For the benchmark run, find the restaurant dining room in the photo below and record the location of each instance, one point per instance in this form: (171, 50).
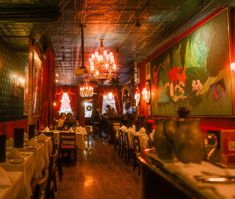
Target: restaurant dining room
(107, 99)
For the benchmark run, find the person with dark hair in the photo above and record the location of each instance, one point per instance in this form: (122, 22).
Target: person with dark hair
(61, 120)
(70, 120)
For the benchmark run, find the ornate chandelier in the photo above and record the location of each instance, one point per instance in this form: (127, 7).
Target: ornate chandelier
(102, 65)
(86, 90)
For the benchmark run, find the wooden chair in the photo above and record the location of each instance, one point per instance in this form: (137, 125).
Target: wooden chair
(116, 127)
(39, 186)
(120, 143)
(52, 185)
(137, 151)
(127, 150)
(68, 147)
(51, 135)
(57, 152)
(88, 136)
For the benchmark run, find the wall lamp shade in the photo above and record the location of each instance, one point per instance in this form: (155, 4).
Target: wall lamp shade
(146, 95)
(232, 66)
(137, 97)
(146, 92)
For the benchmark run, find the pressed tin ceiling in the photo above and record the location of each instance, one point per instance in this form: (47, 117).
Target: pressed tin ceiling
(130, 28)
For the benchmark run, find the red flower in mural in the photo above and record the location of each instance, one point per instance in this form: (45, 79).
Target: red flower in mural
(182, 76)
(172, 75)
(175, 75)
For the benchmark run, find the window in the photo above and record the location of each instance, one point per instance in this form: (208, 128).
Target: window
(65, 104)
(108, 100)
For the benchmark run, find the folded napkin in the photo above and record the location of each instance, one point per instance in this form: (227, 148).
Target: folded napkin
(31, 142)
(70, 129)
(42, 136)
(131, 130)
(4, 178)
(47, 129)
(123, 128)
(14, 154)
(10, 142)
(142, 130)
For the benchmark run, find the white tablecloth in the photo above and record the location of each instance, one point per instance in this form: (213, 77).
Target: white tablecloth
(143, 137)
(17, 189)
(35, 160)
(80, 137)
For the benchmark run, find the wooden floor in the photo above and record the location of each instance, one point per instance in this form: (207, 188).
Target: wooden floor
(99, 174)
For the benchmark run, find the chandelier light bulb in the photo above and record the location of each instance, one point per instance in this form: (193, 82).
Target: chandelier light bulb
(102, 64)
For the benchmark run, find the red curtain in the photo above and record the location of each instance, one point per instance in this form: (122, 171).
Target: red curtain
(48, 88)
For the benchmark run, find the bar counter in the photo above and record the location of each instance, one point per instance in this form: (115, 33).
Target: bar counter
(176, 180)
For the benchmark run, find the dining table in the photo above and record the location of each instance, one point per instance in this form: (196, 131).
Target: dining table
(80, 137)
(17, 189)
(34, 159)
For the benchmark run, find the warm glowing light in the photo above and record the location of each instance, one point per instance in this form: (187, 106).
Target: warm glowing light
(146, 95)
(86, 90)
(110, 96)
(89, 181)
(102, 64)
(54, 103)
(17, 80)
(137, 97)
(232, 66)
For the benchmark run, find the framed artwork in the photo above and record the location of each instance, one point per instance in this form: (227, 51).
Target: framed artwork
(148, 71)
(195, 72)
(36, 84)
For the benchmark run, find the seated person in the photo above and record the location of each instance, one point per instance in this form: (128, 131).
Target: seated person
(70, 120)
(61, 121)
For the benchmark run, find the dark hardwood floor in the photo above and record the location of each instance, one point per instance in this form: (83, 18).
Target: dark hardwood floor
(99, 174)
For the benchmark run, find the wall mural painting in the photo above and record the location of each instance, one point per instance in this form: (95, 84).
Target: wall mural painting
(37, 84)
(195, 73)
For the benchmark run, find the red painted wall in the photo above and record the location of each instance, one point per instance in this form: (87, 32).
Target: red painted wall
(7, 128)
(206, 123)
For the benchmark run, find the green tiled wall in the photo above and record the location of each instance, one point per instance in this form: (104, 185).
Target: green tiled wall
(11, 107)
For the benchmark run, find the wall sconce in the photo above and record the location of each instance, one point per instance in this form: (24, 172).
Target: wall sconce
(232, 66)
(17, 84)
(146, 92)
(137, 96)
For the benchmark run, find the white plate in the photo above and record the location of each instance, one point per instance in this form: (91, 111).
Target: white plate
(16, 161)
(32, 147)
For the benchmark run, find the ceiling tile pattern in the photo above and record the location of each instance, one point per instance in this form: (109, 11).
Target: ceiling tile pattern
(130, 28)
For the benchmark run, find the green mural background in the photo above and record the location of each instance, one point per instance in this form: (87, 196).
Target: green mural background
(195, 72)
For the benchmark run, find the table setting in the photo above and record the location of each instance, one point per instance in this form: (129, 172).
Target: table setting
(29, 157)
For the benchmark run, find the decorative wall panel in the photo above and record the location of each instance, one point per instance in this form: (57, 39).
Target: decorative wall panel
(12, 67)
(195, 72)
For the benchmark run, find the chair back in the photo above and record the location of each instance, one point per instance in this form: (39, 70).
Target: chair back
(50, 134)
(88, 129)
(67, 139)
(136, 144)
(40, 190)
(120, 137)
(126, 140)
